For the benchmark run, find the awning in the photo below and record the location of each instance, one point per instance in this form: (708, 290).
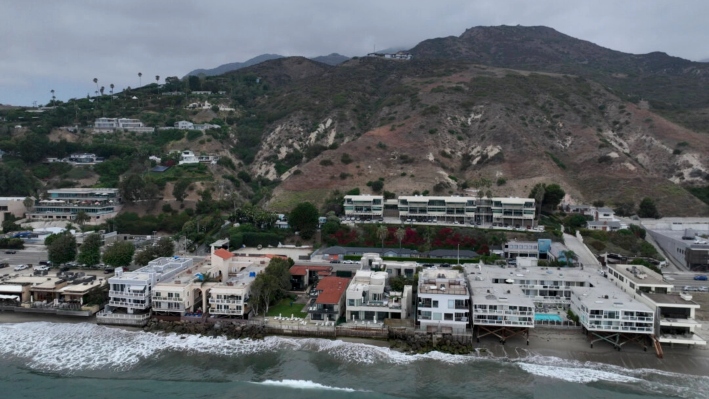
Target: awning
(4, 288)
(137, 288)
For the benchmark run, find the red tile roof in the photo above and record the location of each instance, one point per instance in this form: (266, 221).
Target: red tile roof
(300, 270)
(223, 253)
(332, 289)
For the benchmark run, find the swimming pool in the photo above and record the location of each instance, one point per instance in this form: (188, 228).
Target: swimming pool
(547, 317)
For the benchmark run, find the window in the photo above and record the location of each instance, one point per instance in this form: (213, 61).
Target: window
(350, 302)
(436, 316)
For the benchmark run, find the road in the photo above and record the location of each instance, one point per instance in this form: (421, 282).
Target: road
(585, 256)
(682, 279)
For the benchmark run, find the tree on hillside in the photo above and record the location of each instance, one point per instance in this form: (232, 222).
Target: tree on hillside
(179, 190)
(304, 219)
(135, 188)
(647, 209)
(625, 208)
(62, 248)
(551, 196)
(119, 254)
(96, 83)
(90, 250)
(163, 248)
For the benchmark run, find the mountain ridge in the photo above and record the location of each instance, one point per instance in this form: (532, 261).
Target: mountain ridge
(330, 59)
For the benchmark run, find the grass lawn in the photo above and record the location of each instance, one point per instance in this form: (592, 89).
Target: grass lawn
(284, 308)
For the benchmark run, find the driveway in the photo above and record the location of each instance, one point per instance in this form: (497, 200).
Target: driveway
(585, 256)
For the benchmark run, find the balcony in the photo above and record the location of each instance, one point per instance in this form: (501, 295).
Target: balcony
(129, 305)
(226, 301)
(167, 299)
(675, 322)
(129, 294)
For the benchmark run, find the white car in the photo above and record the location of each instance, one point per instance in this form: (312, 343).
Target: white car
(41, 268)
(21, 267)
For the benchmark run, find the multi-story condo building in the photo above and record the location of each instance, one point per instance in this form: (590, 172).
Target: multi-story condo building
(364, 206)
(500, 310)
(502, 211)
(66, 203)
(14, 206)
(230, 297)
(178, 296)
(443, 301)
(130, 293)
(674, 311)
(368, 298)
(610, 315)
(107, 125)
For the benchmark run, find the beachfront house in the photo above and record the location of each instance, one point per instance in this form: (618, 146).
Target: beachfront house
(369, 298)
(327, 300)
(443, 301)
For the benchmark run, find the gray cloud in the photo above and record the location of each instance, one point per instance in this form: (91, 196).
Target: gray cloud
(64, 45)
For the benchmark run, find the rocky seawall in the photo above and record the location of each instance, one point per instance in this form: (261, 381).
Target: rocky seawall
(411, 342)
(229, 330)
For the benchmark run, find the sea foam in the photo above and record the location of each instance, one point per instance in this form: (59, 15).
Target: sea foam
(304, 384)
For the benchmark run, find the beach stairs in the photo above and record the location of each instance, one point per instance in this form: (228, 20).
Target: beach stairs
(658, 346)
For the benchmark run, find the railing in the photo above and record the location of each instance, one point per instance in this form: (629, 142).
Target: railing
(501, 312)
(129, 305)
(619, 328)
(225, 311)
(129, 294)
(124, 316)
(502, 322)
(226, 301)
(167, 299)
(637, 318)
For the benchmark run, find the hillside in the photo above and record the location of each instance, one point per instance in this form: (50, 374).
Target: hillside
(496, 109)
(672, 85)
(330, 59)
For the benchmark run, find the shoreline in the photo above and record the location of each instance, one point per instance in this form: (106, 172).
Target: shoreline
(570, 345)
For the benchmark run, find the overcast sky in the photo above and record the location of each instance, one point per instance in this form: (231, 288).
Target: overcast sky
(64, 45)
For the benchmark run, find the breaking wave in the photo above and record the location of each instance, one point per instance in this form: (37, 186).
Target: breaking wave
(303, 384)
(68, 348)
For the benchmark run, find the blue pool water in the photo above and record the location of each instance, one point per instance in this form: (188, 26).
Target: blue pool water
(547, 317)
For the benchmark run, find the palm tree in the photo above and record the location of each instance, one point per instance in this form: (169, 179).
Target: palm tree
(140, 79)
(96, 82)
(400, 234)
(382, 233)
(81, 218)
(52, 91)
(102, 89)
(157, 81)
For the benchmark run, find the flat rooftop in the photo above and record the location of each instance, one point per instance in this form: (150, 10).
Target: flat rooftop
(607, 296)
(672, 299)
(639, 274)
(532, 273)
(442, 281)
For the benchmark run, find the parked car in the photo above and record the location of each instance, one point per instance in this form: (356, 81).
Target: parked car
(4, 265)
(11, 252)
(45, 263)
(21, 267)
(701, 277)
(334, 261)
(108, 270)
(41, 268)
(64, 268)
(445, 265)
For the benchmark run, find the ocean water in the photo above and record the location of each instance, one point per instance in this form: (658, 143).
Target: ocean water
(61, 360)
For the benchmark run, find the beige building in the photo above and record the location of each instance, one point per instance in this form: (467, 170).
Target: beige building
(12, 206)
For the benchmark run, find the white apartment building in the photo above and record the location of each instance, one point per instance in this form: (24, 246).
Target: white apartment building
(675, 311)
(368, 298)
(364, 206)
(500, 310)
(521, 249)
(130, 293)
(108, 125)
(443, 301)
(613, 316)
(502, 211)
